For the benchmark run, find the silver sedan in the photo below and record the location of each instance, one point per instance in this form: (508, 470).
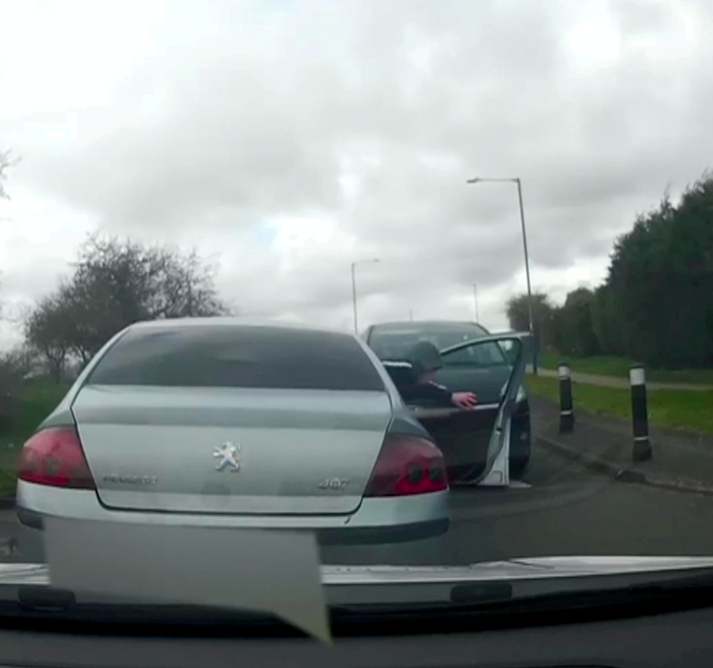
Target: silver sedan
(225, 423)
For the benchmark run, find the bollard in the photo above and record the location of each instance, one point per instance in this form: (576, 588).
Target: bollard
(566, 405)
(639, 414)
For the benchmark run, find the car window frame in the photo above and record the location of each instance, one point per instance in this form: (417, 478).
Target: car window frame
(428, 334)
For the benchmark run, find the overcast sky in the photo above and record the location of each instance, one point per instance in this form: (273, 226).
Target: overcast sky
(286, 139)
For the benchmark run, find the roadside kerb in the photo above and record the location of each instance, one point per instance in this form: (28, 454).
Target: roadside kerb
(622, 473)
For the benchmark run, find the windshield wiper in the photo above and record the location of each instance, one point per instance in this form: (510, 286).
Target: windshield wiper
(358, 594)
(471, 607)
(40, 603)
(501, 597)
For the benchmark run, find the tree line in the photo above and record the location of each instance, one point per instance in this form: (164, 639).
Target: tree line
(113, 283)
(656, 302)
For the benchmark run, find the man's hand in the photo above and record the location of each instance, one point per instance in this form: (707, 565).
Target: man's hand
(464, 400)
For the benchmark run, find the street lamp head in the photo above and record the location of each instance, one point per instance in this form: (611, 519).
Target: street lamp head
(499, 180)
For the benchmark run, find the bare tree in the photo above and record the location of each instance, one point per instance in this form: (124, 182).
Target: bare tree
(517, 311)
(48, 329)
(116, 283)
(6, 162)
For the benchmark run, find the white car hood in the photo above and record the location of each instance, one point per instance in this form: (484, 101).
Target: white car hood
(575, 569)
(527, 568)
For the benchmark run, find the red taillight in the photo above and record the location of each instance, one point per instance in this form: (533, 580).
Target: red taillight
(407, 465)
(55, 457)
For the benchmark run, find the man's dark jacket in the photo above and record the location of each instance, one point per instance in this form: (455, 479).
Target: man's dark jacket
(405, 376)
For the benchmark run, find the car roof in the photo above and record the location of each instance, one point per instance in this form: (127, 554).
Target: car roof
(232, 321)
(411, 324)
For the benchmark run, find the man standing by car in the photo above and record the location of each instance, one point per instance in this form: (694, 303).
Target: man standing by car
(413, 378)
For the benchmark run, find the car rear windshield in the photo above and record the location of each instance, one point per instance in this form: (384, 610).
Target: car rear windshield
(395, 342)
(224, 356)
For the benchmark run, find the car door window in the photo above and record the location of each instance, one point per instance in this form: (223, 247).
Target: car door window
(486, 354)
(478, 354)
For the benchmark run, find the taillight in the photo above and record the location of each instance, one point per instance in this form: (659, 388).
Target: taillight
(407, 465)
(55, 457)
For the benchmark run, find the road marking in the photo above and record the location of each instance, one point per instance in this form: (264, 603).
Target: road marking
(519, 484)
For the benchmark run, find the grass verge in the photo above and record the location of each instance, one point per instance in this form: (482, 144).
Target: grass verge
(618, 367)
(681, 409)
(8, 482)
(37, 400)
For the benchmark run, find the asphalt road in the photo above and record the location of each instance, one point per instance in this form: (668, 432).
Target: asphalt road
(565, 510)
(8, 537)
(562, 509)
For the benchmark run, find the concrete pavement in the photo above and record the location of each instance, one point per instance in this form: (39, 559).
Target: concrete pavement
(681, 460)
(621, 383)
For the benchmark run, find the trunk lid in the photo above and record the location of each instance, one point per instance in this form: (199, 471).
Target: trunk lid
(232, 451)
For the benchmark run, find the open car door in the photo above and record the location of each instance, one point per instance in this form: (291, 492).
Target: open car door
(475, 443)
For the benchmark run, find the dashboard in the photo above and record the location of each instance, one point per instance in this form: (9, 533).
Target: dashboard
(680, 639)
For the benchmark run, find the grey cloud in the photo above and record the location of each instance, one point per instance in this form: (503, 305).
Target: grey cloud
(261, 117)
(640, 17)
(31, 282)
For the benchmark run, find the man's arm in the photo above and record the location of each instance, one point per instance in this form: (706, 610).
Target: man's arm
(404, 376)
(434, 393)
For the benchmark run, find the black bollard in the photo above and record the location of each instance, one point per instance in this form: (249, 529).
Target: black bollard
(566, 405)
(639, 414)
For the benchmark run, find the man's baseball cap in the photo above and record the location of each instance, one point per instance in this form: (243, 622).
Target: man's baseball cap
(424, 356)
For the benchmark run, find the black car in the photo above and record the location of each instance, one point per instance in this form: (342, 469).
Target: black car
(482, 369)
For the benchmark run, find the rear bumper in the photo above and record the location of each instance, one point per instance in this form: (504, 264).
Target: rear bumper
(377, 521)
(403, 533)
(32, 524)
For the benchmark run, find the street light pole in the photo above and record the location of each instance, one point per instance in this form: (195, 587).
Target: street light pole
(354, 301)
(527, 269)
(530, 314)
(354, 290)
